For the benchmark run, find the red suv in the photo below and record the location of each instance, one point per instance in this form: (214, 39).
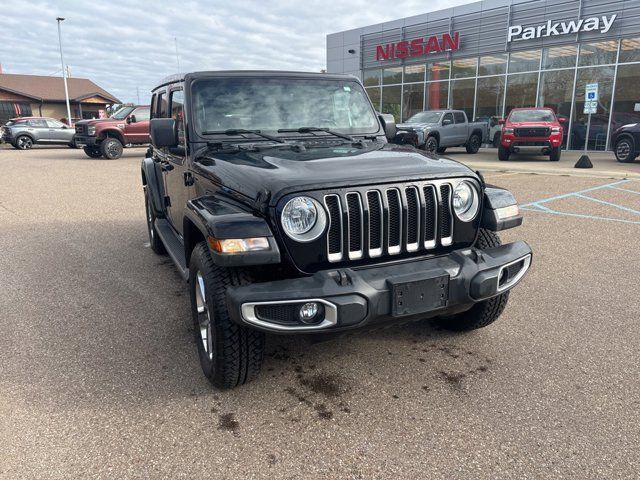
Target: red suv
(531, 129)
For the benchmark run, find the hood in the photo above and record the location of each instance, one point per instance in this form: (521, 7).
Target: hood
(281, 171)
(415, 126)
(532, 124)
(97, 121)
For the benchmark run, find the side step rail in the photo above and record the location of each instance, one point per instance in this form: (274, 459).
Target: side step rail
(174, 246)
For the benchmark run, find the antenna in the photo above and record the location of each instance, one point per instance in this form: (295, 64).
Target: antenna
(175, 39)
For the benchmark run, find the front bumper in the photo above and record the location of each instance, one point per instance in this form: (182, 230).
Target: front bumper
(84, 140)
(516, 144)
(352, 298)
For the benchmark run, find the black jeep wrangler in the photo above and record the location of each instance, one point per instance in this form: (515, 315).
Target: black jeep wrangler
(280, 201)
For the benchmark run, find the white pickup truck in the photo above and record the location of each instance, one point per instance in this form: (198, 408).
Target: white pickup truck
(436, 130)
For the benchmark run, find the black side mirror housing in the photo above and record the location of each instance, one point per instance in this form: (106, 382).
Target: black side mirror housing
(131, 119)
(388, 125)
(163, 132)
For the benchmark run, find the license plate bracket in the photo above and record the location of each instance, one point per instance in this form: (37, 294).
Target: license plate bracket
(419, 295)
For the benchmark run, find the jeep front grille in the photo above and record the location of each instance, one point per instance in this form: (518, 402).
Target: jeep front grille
(373, 222)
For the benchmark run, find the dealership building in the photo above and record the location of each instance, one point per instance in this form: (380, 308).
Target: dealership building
(491, 56)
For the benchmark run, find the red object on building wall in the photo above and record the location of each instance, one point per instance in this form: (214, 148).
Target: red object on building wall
(418, 47)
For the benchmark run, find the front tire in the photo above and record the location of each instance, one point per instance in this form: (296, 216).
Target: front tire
(482, 313)
(431, 145)
(496, 140)
(23, 142)
(555, 153)
(111, 148)
(625, 150)
(503, 153)
(230, 354)
(92, 152)
(473, 144)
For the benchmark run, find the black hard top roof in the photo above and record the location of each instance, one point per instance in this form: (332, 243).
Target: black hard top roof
(250, 73)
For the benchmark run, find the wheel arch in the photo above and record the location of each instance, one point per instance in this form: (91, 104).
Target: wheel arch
(113, 133)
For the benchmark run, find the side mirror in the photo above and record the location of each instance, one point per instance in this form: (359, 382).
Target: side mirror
(501, 121)
(163, 132)
(131, 119)
(388, 124)
(446, 122)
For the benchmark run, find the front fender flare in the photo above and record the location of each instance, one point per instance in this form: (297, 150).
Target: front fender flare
(215, 218)
(151, 181)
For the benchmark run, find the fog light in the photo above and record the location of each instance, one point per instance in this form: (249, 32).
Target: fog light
(310, 312)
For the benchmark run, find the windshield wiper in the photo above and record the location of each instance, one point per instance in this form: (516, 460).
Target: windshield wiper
(315, 129)
(242, 131)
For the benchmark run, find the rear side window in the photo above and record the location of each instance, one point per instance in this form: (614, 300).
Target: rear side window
(161, 109)
(459, 116)
(38, 123)
(152, 113)
(177, 111)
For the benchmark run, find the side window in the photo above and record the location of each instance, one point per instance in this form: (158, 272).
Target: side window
(152, 113)
(38, 123)
(177, 111)
(54, 123)
(142, 114)
(162, 106)
(459, 116)
(447, 116)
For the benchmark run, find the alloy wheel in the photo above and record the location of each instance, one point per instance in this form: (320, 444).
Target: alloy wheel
(623, 150)
(25, 143)
(112, 148)
(204, 318)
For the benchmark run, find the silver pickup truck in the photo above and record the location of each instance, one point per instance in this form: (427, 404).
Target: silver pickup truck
(438, 129)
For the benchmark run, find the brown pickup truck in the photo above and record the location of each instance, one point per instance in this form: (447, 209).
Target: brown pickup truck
(106, 137)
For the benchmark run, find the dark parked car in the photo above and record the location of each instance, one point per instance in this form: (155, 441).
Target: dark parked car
(626, 142)
(24, 132)
(283, 206)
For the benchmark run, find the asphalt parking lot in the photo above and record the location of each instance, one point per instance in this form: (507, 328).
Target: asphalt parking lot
(100, 376)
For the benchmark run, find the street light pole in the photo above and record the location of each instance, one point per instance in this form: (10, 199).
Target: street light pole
(64, 77)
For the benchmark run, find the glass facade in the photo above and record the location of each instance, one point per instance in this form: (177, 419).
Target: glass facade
(487, 87)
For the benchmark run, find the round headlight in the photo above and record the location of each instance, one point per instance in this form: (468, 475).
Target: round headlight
(465, 201)
(303, 219)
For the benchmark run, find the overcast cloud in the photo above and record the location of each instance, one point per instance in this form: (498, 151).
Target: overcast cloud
(121, 47)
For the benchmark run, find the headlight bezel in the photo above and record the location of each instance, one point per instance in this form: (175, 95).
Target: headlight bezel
(91, 130)
(312, 233)
(470, 213)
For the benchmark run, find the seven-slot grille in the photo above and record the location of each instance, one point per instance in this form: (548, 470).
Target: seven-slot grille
(377, 221)
(532, 132)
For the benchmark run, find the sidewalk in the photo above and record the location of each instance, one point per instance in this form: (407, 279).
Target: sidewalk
(604, 163)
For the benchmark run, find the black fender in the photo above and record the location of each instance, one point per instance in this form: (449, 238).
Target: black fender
(152, 180)
(211, 217)
(496, 198)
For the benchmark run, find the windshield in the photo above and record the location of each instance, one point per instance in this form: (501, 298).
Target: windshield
(122, 113)
(532, 116)
(425, 117)
(274, 103)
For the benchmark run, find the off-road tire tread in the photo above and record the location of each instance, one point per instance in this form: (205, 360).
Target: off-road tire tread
(468, 145)
(482, 313)
(156, 243)
(239, 359)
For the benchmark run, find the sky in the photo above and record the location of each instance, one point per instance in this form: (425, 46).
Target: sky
(127, 47)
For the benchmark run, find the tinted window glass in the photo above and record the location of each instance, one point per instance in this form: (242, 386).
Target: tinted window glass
(152, 113)
(142, 114)
(162, 106)
(38, 123)
(177, 111)
(459, 116)
(447, 116)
